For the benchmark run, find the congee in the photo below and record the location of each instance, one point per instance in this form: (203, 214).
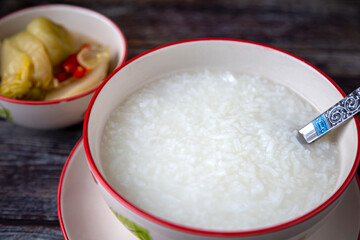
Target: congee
(217, 150)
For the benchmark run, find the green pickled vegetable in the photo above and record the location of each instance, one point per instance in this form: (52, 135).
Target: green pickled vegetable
(57, 40)
(16, 70)
(29, 58)
(42, 73)
(34, 94)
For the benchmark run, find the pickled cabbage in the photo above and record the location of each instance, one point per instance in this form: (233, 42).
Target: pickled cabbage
(57, 39)
(16, 69)
(42, 74)
(89, 81)
(91, 57)
(34, 94)
(41, 63)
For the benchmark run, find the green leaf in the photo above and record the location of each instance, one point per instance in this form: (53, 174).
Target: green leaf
(5, 113)
(140, 232)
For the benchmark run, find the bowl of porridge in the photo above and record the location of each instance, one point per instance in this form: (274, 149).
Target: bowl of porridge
(198, 140)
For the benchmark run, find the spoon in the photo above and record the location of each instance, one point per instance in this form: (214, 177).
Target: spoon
(331, 118)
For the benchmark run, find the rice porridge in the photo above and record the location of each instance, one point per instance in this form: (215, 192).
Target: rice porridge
(217, 150)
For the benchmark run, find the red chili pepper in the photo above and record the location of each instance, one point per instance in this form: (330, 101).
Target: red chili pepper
(80, 72)
(71, 67)
(62, 76)
(70, 64)
(86, 45)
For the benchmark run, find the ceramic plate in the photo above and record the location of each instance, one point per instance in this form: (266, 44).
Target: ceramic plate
(83, 214)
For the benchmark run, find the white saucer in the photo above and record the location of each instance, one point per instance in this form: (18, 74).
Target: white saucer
(83, 214)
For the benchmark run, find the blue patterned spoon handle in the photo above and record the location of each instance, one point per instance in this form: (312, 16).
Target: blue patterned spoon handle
(333, 117)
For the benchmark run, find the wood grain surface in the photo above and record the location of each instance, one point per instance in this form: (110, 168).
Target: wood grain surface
(325, 33)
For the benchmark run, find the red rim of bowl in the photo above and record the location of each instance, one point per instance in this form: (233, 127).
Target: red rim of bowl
(196, 231)
(77, 8)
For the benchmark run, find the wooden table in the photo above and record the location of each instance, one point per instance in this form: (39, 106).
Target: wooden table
(326, 33)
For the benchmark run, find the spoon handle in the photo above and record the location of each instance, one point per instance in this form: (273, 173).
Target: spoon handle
(333, 117)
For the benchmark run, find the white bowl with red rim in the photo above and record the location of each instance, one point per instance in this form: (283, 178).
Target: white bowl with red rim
(67, 111)
(229, 54)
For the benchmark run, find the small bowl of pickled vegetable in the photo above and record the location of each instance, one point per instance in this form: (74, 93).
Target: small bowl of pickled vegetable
(52, 59)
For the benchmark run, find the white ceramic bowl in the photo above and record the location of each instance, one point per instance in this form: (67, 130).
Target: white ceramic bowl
(67, 111)
(233, 55)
